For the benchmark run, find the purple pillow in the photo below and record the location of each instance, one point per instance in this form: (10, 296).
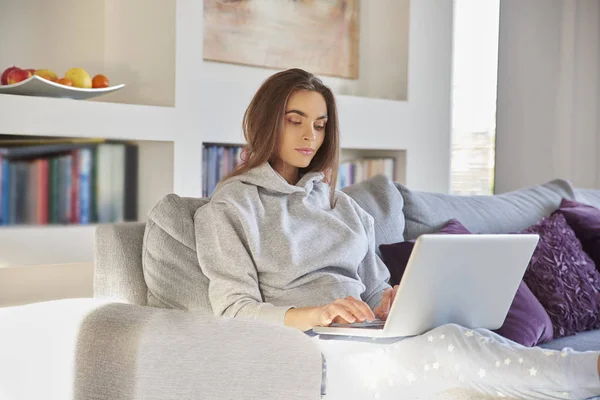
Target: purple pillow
(527, 322)
(564, 278)
(585, 222)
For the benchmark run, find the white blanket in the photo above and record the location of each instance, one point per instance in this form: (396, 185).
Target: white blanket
(452, 362)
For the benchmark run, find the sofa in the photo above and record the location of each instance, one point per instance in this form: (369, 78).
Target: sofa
(148, 333)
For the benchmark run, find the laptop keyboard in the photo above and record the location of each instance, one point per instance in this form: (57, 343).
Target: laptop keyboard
(377, 324)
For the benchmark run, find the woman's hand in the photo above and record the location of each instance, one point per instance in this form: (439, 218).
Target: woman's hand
(381, 311)
(344, 311)
(347, 310)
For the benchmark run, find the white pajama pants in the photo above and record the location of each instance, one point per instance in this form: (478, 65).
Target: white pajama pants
(452, 357)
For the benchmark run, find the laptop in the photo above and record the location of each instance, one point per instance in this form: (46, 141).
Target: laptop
(469, 280)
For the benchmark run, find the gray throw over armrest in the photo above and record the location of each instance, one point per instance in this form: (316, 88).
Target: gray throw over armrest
(89, 349)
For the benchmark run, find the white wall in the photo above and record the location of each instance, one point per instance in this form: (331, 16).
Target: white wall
(548, 93)
(383, 48)
(141, 53)
(31, 24)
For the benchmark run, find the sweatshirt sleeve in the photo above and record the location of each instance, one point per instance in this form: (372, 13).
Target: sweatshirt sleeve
(372, 271)
(223, 253)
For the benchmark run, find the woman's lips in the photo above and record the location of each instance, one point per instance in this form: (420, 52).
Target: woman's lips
(306, 152)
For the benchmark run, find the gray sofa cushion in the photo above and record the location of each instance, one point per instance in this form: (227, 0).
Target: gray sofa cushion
(504, 213)
(118, 274)
(584, 341)
(588, 196)
(379, 197)
(169, 259)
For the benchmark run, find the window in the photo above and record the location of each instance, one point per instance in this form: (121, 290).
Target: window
(474, 82)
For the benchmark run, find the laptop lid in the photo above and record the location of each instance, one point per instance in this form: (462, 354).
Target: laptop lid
(469, 280)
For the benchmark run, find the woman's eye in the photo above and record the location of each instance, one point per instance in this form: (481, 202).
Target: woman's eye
(320, 127)
(295, 122)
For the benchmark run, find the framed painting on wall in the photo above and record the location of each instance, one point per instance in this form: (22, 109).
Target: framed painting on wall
(321, 36)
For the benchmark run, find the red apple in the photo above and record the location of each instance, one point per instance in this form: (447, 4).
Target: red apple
(4, 78)
(18, 75)
(31, 70)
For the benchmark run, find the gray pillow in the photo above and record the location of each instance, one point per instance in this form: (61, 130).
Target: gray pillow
(504, 213)
(379, 197)
(169, 259)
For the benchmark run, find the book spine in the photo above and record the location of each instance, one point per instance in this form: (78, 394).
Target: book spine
(118, 183)
(43, 193)
(5, 191)
(94, 185)
(54, 190)
(68, 179)
(12, 193)
(85, 172)
(104, 176)
(131, 183)
(75, 217)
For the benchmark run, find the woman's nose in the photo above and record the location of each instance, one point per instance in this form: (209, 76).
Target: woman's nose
(309, 134)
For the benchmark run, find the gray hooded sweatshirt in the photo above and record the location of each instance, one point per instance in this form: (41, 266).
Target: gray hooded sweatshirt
(267, 246)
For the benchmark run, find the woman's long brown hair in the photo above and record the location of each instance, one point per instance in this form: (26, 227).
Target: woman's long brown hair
(264, 118)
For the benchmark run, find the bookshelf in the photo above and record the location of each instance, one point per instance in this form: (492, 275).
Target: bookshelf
(356, 165)
(58, 241)
(42, 116)
(67, 181)
(398, 157)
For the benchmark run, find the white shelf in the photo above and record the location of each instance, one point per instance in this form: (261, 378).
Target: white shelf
(43, 116)
(51, 244)
(24, 285)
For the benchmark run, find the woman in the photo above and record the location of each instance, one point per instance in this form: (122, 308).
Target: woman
(279, 244)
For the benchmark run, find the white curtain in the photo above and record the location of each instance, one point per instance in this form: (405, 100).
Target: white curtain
(548, 93)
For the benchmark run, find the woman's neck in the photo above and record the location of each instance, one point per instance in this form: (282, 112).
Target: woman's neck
(289, 173)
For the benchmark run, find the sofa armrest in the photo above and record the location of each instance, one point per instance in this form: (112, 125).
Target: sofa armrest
(118, 274)
(90, 349)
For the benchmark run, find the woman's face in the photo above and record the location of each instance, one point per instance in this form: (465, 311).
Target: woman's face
(303, 132)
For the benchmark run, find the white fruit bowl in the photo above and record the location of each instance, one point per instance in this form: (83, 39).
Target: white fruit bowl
(37, 86)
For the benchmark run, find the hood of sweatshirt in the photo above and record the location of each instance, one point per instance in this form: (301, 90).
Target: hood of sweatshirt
(264, 176)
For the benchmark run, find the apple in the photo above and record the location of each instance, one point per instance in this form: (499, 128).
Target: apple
(79, 77)
(4, 78)
(32, 70)
(18, 75)
(100, 81)
(46, 74)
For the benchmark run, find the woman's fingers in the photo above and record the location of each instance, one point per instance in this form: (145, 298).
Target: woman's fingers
(359, 308)
(382, 310)
(350, 310)
(386, 301)
(338, 309)
(340, 320)
(351, 306)
(365, 310)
